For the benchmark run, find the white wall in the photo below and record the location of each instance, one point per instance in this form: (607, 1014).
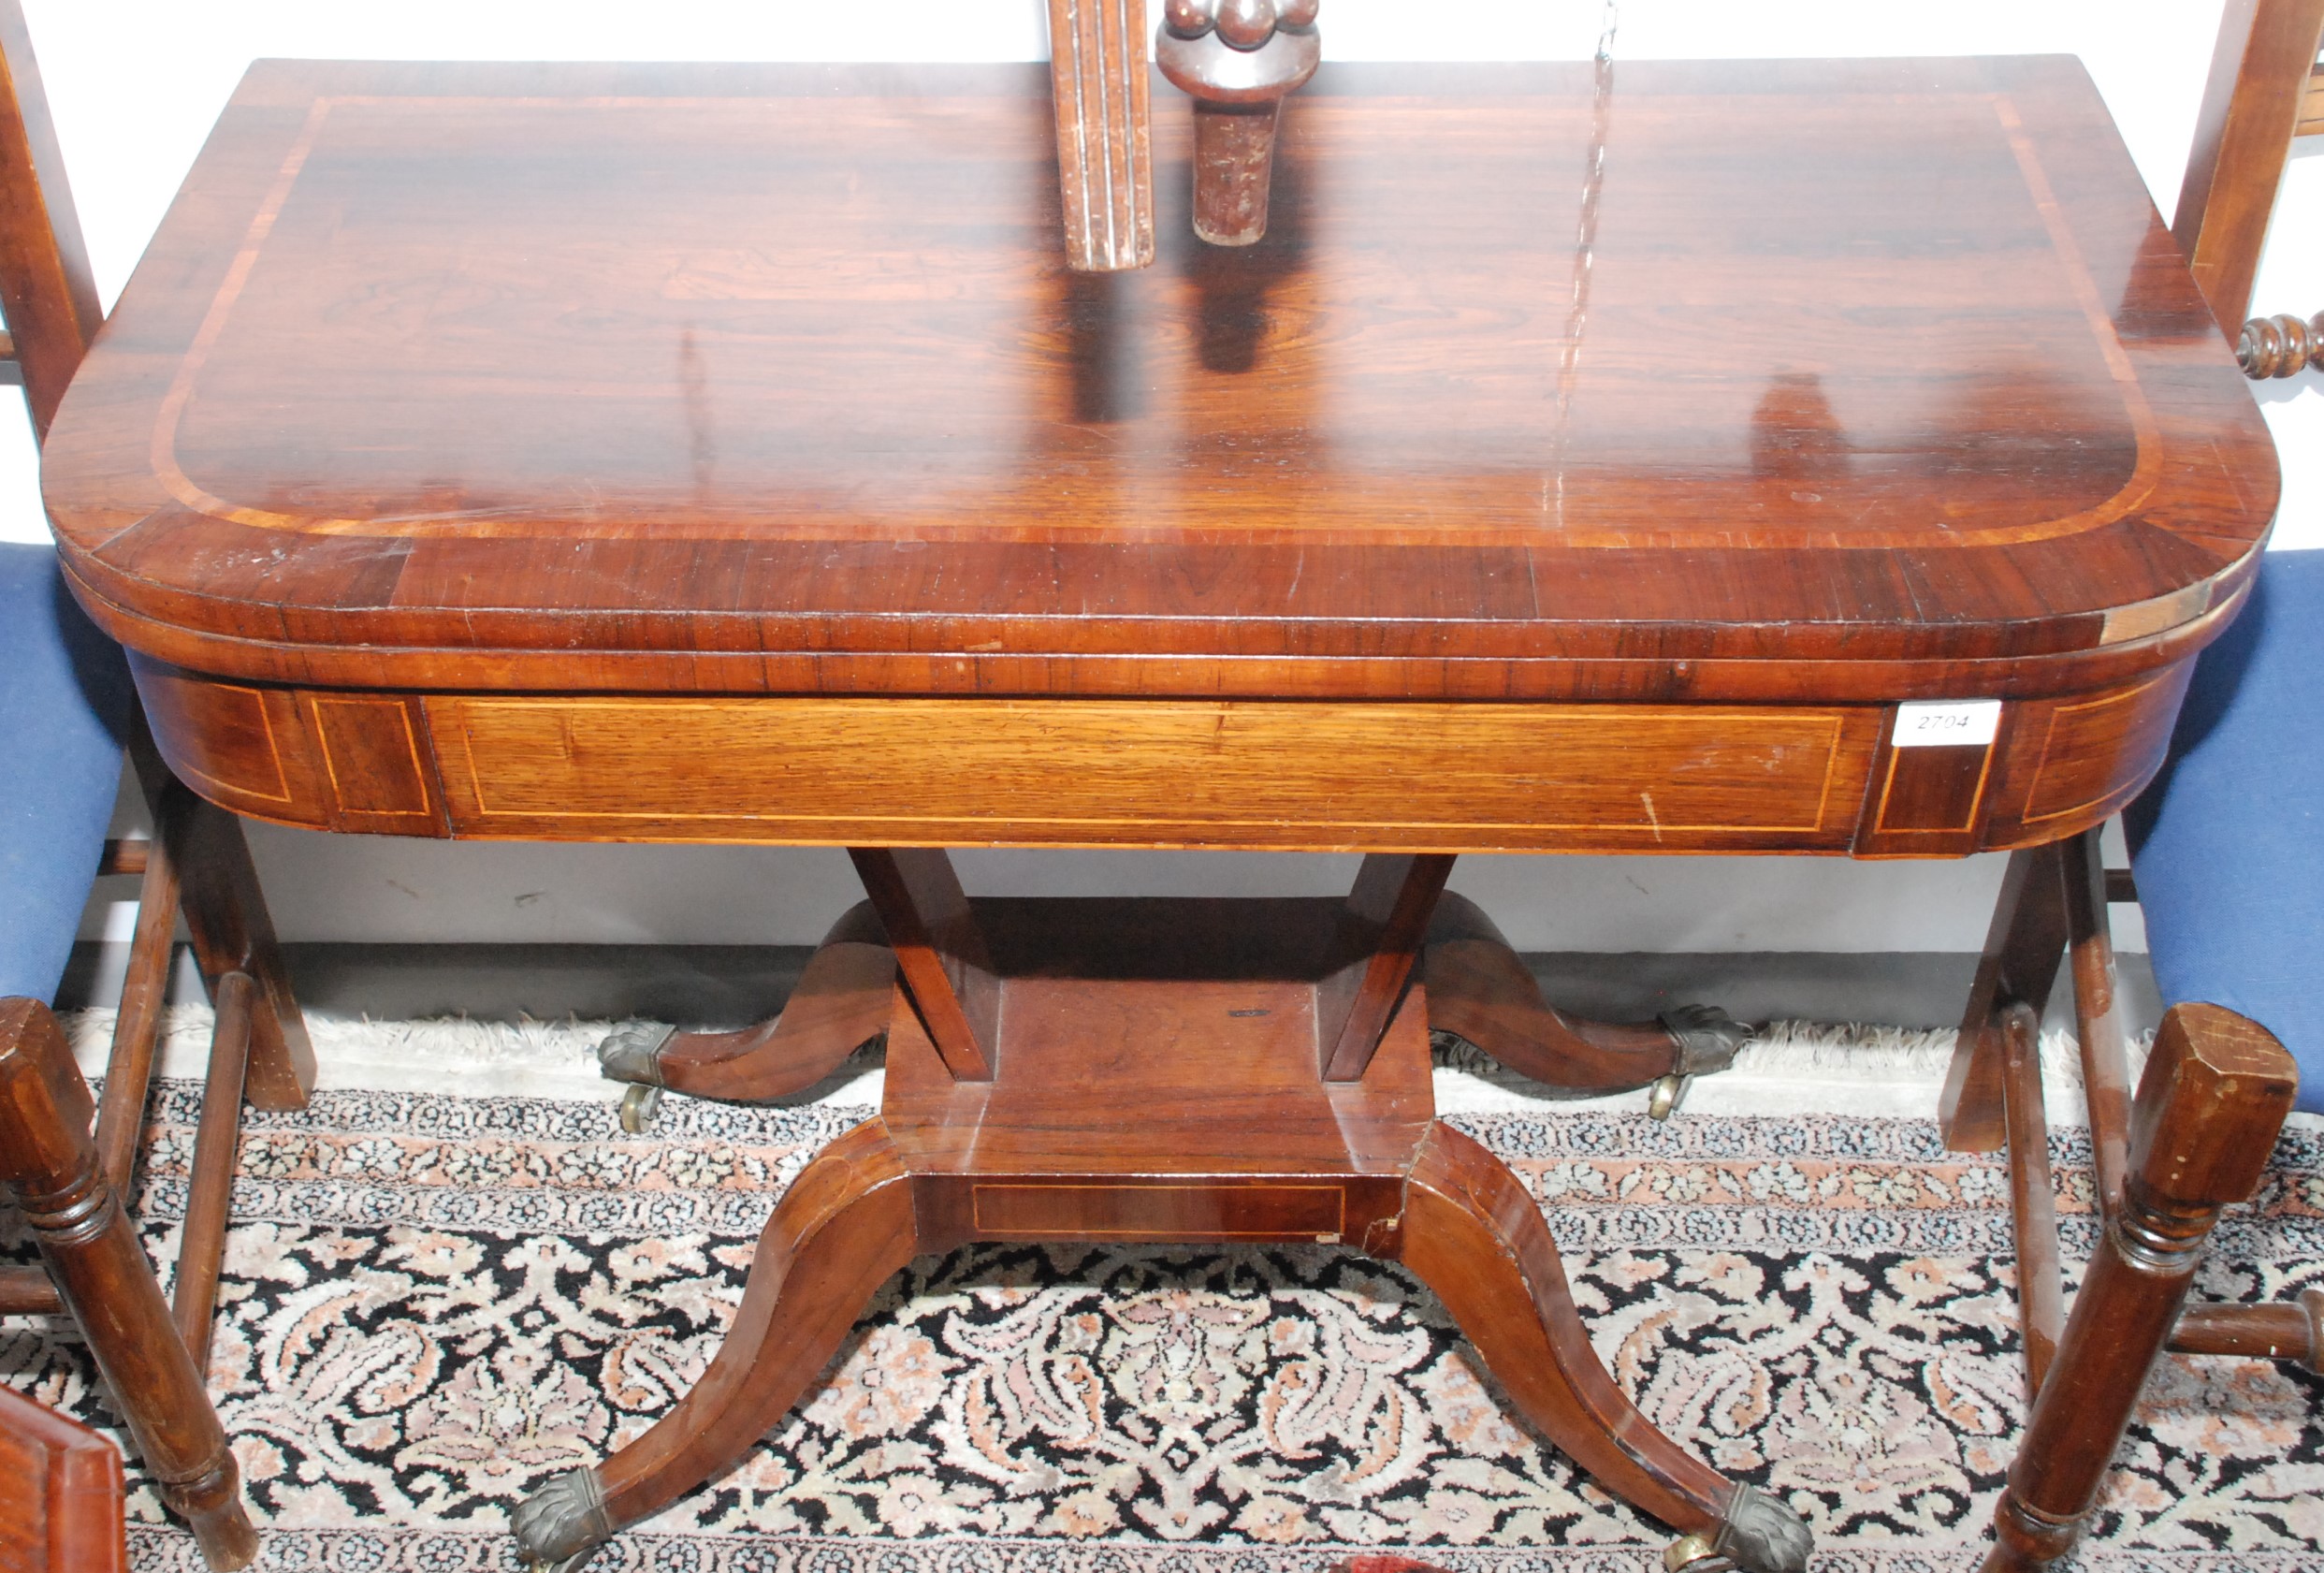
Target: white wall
(135, 83)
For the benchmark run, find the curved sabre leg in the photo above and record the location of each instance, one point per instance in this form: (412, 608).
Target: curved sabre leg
(1472, 1234)
(843, 1228)
(1480, 991)
(842, 1002)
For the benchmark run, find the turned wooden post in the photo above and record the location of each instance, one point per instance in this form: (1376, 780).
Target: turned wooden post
(2214, 1094)
(1237, 59)
(49, 1162)
(2282, 345)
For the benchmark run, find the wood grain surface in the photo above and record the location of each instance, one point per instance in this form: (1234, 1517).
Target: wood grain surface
(853, 770)
(774, 379)
(61, 1499)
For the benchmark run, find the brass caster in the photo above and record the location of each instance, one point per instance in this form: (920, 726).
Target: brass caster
(1663, 1100)
(1697, 1552)
(638, 1107)
(1762, 1534)
(562, 1525)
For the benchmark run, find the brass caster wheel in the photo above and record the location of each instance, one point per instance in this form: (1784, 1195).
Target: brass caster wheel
(1695, 1553)
(1663, 1100)
(562, 1525)
(638, 1107)
(1762, 1534)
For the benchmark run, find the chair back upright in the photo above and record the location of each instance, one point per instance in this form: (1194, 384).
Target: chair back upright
(46, 293)
(2265, 89)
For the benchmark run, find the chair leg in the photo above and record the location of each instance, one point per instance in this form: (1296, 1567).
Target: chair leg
(2291, 1330)
(2202, 1128)
(201, 1246)
(49, 1161)
(136, 1026)
(2098, 1013)
(2019, 965)
(2033, 1202)
(225, 912)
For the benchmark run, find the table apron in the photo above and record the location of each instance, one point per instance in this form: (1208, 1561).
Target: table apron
(1285, 776)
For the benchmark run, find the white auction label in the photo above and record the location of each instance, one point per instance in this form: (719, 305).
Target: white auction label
(1937, 723)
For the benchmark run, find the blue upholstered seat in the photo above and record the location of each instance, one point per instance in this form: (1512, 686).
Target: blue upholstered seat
(2228, 844)
(64, 699)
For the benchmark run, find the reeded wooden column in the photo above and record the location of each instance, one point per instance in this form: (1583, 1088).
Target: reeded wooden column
(2214, 1094)
(49, 1162)
(1105, 173)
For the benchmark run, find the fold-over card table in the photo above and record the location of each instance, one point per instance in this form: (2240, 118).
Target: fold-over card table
(1821, 458)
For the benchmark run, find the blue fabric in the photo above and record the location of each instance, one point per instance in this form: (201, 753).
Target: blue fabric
(64, 699)
(2228, 843)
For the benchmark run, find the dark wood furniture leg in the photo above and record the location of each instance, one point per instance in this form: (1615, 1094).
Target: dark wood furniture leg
(843, 1229)
(202, 1250)
(1381, 927)
(137, 1025)
(940, 950)
(1480, 991)
(2214, 1096)
(226, 913)
(2098, 1012)
(2033, 1202)
(1156, 1071)
(2019, 965)
(2015, 981)
(1472, 1234)
(196, 864)
(841, 1003)
(49, 1162)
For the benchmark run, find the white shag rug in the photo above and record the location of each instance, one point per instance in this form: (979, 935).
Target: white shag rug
(1791, 1069)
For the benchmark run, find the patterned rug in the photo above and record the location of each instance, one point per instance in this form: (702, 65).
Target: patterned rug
(431, 1303)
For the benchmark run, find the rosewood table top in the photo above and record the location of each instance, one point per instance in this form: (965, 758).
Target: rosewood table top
(1811, 379)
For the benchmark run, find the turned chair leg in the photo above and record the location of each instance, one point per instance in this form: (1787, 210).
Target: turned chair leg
(2205, 1123)
(49, 1162)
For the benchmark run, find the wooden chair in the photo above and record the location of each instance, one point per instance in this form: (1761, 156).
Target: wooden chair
(2228, 844)
(66, 711)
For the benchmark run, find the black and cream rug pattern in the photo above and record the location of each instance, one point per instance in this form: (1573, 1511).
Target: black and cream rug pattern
(431, 1303)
